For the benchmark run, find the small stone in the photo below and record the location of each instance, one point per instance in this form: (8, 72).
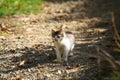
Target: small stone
(29, 70)
(59, 72)
(47, 75)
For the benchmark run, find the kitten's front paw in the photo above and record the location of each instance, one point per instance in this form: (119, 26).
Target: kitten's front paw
(57, 61)
(71, 54)
(65, 63)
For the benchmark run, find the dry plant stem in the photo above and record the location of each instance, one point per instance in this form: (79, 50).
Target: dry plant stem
(118, 44)
(116, 49)
(108, 57)
(115, 30)
(99, 60)
(114, 26)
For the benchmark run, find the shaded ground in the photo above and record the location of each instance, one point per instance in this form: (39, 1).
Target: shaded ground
(27, 51)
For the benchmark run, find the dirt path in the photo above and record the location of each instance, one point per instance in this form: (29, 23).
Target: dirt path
(27, 52)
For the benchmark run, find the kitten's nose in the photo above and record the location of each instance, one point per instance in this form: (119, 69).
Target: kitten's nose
(58, 36)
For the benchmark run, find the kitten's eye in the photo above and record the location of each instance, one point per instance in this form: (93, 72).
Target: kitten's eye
(58, 36)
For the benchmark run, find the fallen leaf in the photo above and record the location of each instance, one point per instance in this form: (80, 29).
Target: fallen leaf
(13, 66)
(18, 77)
(12, 50)
(59, 11)
(93, 57)
(39, 66)
(69, 67)
(14, 60)
(3, 27)
(61, 16)
(21, 63)
(73, 22)
(78, 65)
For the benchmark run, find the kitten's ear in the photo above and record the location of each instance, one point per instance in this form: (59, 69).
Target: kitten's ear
(53, 31)
(61, 28)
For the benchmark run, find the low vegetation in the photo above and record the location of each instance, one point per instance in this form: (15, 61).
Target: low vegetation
(10, 7)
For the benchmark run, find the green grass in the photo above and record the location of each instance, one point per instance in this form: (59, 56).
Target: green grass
(10, 7)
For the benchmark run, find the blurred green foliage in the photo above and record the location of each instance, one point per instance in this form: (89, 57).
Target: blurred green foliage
(113, 76)
(116, 76)
(10, 7)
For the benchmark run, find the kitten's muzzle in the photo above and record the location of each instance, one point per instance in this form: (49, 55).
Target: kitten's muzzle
(57, 38)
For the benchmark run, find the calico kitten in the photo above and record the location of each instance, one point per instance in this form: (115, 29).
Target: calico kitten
(64, 43)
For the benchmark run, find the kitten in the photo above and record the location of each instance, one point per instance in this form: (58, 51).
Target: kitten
(64, 43)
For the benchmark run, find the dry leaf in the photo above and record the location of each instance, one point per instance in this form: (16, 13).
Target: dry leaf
(12, 50)
(14, 60)
(59, 11)
(61, 16)
(3, 27)
(78, 65)
(92, 58)
(18, 77)
(13, 66)
(39, 66)
(73, 22)
(21, 63)
(69, 67)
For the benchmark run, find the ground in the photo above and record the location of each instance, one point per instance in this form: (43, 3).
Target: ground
(27, 51)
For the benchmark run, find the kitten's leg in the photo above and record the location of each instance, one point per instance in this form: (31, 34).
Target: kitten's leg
(65, 57)
(71, 51)
(58, 55)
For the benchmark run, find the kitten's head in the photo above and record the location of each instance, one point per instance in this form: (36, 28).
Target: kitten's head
(57, 35)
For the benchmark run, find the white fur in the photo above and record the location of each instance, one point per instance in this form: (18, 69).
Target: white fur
(68, 46)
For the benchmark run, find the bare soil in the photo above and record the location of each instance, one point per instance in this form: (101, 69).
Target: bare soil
(27, 51)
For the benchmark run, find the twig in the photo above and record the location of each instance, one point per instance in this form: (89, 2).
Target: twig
(108, 57)
(114, 26)
(118, 44)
